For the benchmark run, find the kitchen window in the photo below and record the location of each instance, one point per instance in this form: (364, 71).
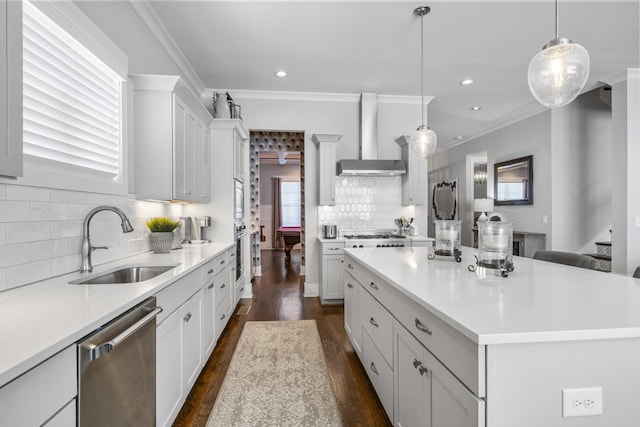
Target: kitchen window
(73, 101)
(290, 203)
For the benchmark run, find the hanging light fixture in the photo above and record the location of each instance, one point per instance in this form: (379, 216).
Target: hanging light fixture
(559, 71)
(423, 141)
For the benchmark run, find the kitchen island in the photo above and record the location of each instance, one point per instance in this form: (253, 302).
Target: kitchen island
(547, 344)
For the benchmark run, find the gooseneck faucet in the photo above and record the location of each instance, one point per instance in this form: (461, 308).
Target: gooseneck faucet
(86, 242)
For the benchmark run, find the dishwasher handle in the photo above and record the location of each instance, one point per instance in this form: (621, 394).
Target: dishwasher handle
(97, 351)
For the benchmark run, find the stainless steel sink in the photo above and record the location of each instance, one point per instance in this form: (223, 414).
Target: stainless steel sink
(130, 274)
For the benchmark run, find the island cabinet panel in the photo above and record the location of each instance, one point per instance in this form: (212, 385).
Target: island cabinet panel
(352, 307)
(427, 394)
(544, 369)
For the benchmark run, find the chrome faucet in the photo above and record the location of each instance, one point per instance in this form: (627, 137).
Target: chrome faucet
(86, 242)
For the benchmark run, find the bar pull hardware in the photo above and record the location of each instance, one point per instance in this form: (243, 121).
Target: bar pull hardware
(210, 271)
(223, 286)
(187, 317)
(374, 286)
(349, 285)
(100, 350)
(423, 370)
(210, 286)
(373, 322)
(416, 363)
(222, 262)
(374, 369)
(423, 328)
(223, 316)
(350, 267)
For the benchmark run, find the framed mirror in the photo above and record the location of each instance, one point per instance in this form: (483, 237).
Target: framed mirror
(513, 182)
(444, 199)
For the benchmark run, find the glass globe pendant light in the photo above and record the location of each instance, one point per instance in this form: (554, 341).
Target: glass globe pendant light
(423, 141)
(559, 71)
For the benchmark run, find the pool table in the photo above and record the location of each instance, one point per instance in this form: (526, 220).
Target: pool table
(290, 236)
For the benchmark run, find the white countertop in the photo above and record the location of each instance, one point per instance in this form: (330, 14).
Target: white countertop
(38, 320)
(343, 240)
(539, 301)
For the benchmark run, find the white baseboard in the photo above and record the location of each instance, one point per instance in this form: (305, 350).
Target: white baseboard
(303, 270)
(310, 289)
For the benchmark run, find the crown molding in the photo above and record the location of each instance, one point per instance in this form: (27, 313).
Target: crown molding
(144, 9)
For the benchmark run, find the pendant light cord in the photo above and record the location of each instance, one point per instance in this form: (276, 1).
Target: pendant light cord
(422, 65)
(557, 8)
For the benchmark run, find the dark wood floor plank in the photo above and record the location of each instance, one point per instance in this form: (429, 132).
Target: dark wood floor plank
(277, 295)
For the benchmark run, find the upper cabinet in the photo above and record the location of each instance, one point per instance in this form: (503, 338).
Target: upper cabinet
(239, 142)
(327, 167)
(171, 129)
(11, 88)
(414, 182)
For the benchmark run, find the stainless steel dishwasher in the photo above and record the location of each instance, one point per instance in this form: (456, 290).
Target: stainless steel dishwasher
(117, 370)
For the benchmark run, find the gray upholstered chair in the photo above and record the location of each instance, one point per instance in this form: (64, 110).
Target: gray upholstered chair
(636, 273)
(567, 258)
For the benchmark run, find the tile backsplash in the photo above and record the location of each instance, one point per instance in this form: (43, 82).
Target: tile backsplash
(365, 203)
(41, 231)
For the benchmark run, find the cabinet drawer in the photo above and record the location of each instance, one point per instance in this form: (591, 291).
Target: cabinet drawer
(458, 353)
(378, 288)
(221, 288)
(332, 248)
(37, 395)
(379, 373)
(353, 268)
(174, 295)
(215, 266)
(378, 323)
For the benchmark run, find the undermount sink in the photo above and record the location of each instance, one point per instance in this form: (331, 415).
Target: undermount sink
(130, 274)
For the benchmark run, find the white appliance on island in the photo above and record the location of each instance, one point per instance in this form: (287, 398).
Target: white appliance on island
(445, 347)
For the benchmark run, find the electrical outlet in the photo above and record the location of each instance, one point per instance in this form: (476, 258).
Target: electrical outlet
(581, 402)
(545, 219)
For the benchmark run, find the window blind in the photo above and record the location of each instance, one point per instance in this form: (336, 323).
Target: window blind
(290, 203)
(71, 100)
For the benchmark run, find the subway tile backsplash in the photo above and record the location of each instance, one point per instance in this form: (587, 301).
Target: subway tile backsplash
(41, 231)
(366, 203)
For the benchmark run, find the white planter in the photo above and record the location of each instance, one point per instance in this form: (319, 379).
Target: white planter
(161, 242)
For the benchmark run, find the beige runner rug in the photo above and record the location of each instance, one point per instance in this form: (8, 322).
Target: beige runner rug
(277, 377)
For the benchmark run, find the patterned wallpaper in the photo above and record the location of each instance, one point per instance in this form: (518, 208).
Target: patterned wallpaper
(273, 141)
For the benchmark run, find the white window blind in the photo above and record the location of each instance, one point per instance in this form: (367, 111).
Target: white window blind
(72, 100)
(290, 203)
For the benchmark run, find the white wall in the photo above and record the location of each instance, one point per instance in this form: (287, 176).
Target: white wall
(529, 136)
(581, 174)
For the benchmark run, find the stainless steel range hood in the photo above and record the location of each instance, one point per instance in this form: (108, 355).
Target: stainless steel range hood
(368, 163)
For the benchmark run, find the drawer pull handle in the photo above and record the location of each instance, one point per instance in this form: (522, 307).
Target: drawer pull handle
(423, 328)
(210, 286)
(350, 267)
(223, 316)
(210, 271)
(187, 317)
(223, 286)
(349, 285)
(374, 369)
(423, 370)
(416, 363)
(374, 286)
(221, 262)
(373, 322)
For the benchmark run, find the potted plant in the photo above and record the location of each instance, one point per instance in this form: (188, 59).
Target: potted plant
(161, 236)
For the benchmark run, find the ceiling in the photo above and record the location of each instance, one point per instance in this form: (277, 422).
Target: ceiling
(354, 47)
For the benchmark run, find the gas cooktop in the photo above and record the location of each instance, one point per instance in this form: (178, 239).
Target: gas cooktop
(372, 236)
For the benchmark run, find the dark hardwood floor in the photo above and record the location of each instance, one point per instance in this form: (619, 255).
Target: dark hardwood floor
(277, 295)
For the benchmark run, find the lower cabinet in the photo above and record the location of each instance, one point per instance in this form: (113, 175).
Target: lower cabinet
(45, 395)
(426, 393)
(331, 284)
(352, 322)
(178, 358)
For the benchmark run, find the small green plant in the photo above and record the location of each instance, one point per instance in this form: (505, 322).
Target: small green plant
(495, 218)
(161, 224)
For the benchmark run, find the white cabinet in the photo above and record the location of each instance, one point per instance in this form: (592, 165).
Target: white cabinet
(37, 395)
(331, 282)
(11, 88)
(239, 156)
(352, 307)
(414, 182)
(171, 140)
(327, 167)
(208, 319)
(426, 393)
(178, 358)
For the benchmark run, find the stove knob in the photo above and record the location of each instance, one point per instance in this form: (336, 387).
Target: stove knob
(355, 246)
(378, 245)
(361, 246)
(402, 245)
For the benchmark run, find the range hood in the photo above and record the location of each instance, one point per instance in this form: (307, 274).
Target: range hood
(368, 163)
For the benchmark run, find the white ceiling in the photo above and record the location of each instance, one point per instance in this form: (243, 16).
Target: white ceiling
(354, 47)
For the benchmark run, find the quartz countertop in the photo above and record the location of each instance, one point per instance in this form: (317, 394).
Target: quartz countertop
(539, 301)
(343, 240)
(41, 319)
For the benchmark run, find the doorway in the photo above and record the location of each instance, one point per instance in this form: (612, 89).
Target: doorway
(276, 145)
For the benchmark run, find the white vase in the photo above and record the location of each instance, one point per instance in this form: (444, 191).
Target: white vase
(161, 242)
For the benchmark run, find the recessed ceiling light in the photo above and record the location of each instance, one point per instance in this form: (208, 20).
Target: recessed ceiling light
(476, 108)
(467, 82)
(280, 74)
